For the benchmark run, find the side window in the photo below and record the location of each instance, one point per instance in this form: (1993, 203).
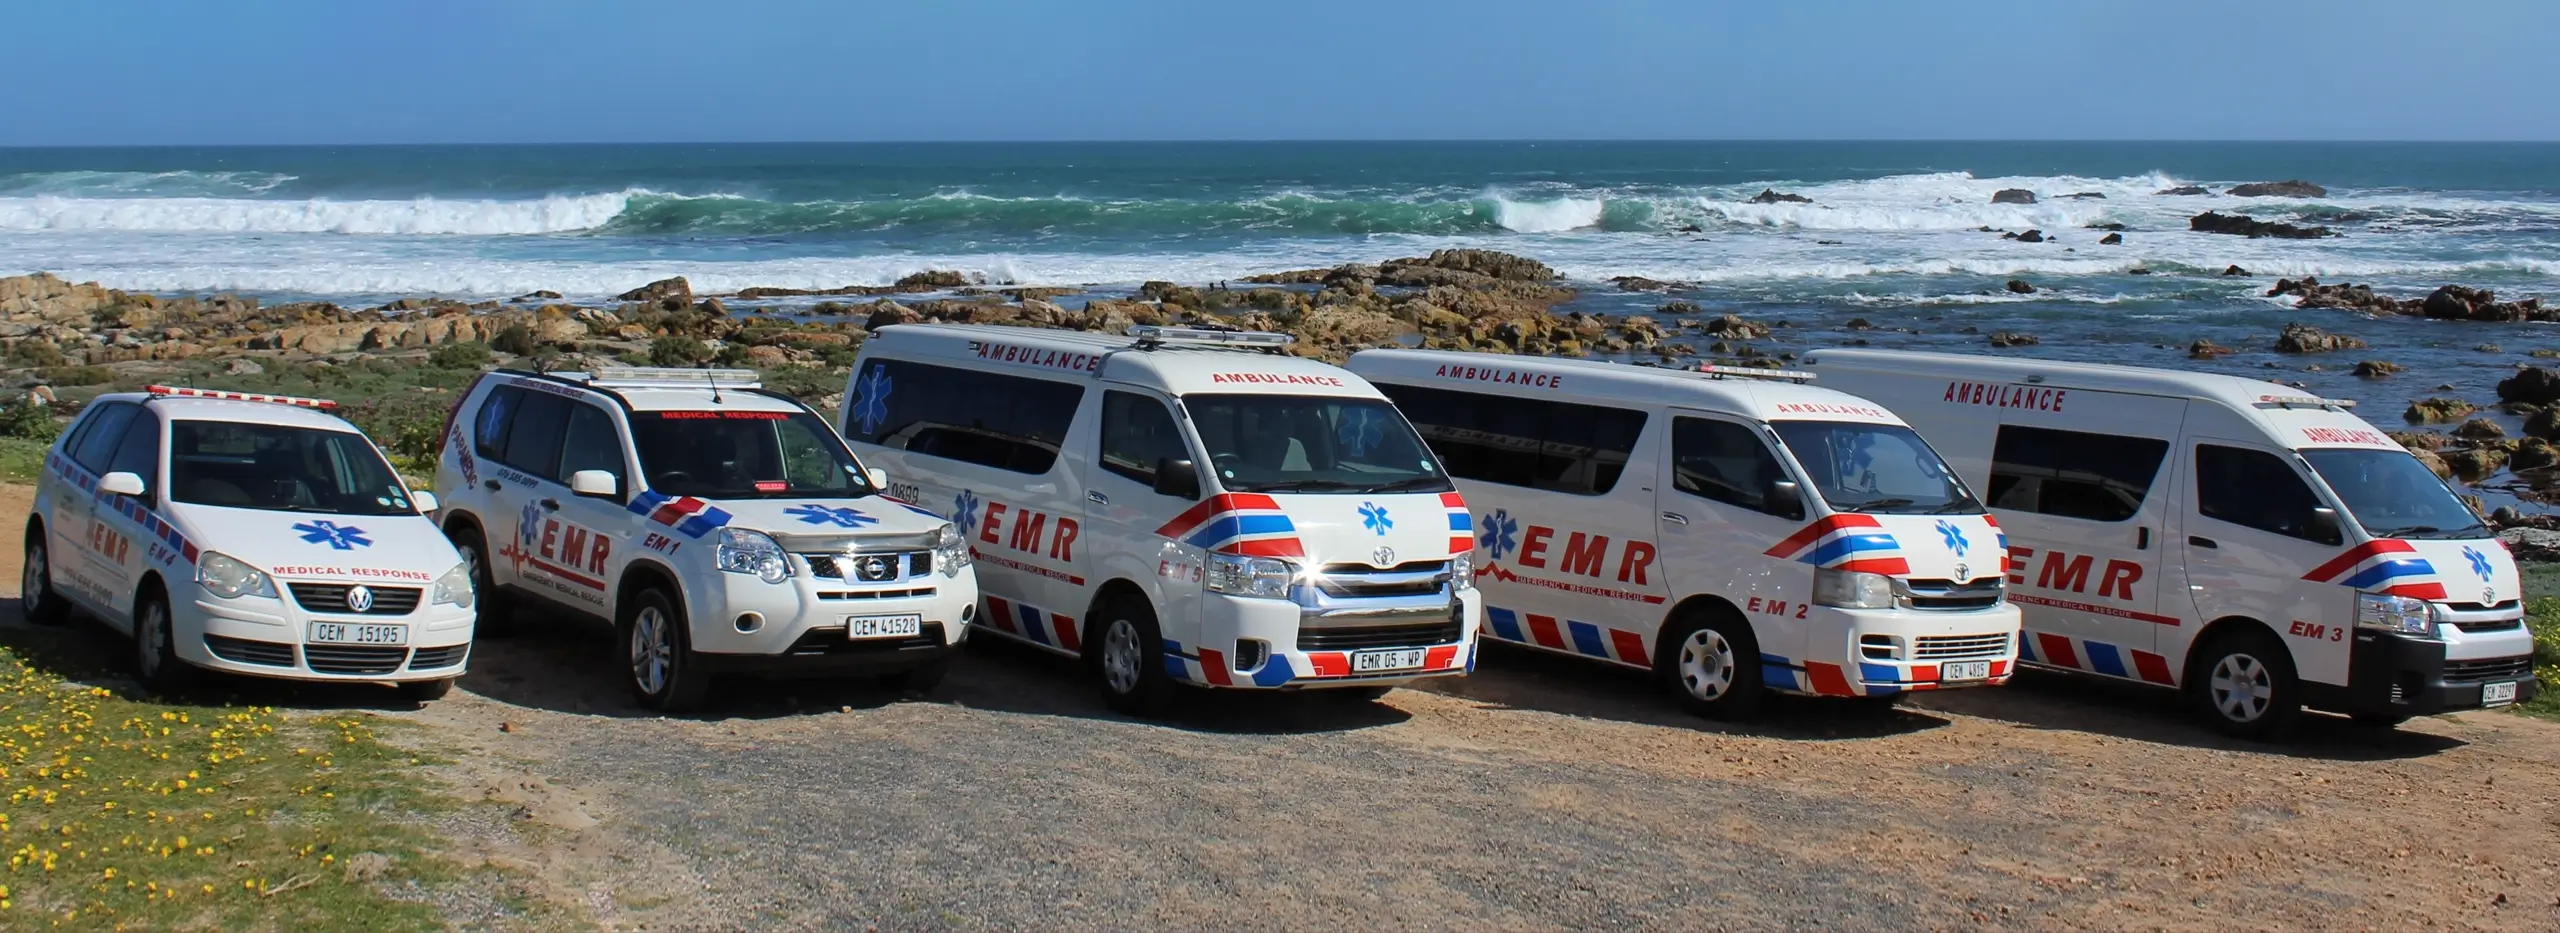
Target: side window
(489, 430)
(1729, 463)
(1008, 422)
(139, 453)
(590, 444)
(533, 436)
(1137, 431)
(2073, 474)
(104, 433)
(1535, 444)
(2259, 490)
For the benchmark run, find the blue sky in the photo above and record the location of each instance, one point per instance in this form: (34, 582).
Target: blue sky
(336, 71)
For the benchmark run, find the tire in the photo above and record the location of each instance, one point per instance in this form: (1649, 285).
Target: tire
(43, 605)
(2244, 685)
(155, 649)
(424, 691)
(494, 613)
(1711, 660)
(921, 678)
(657, 654)
(1129, 659)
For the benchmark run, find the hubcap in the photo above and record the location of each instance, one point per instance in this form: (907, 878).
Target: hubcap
(1706, 664)
(33, 584)
(651, 653)
(2241, 688)
(1120, 656)
(471, 565)
(152, 639)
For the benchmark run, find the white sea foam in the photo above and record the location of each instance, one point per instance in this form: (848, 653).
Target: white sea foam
(422, 216)
(1556, 216)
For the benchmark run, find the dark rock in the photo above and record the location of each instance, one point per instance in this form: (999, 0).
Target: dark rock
(933, 279)
(2533, 453)
(2085, 195)
(2434, 462)
(2013, 196)
(2183, 190)
(2137, 270)
(1691, 228)
(2112, 239)
(2479, 429)
(2538, 385)
(2278, 189)
(2461, 303)
(2299, 338)
(2106, 226)
(662, 292)
(2544, 424)
(2204, 349)
(1734, 327)
(2235, 270)
(1859, 323)
(537, 295)
(2350, 297)
(2008, 339)
(2437, 411)
(2471, 464)
(2253, 228)
(2488, 348)
(2031, 236)
(2020, 286)
(1774, 196)
(1638, 283)
(2377, 369)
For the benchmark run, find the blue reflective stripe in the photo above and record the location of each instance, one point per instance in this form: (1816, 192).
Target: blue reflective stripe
(2387, 570)
(1233, 526)
(1460, 521)
(1275, 671)
(1506, 624)
(1878, 673)
(2103, 658)
(1033, 624)
(1841, 547)
(1586, 638)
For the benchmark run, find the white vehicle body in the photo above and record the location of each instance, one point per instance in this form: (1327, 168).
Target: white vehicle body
(2151, 513)
(1046, 447)
(769, 541)
(1615, 502)
(283, 545)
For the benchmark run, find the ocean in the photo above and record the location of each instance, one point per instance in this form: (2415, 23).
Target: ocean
(1893, 232)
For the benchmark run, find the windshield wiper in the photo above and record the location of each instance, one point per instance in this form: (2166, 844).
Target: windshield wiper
(1885, 503)
(1306, 485)
(2422, 530)
(1410, 484)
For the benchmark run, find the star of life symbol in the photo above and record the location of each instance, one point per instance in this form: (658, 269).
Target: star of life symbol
(817, 514)
(1954, 536)
(2479, 562)
(340, 537)
(1360, 432)
(872, 407)
(1374, 517)
(964, 509)
(1501, 533)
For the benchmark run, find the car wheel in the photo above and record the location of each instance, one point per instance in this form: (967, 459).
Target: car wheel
(1712, 662)
(1130, 662)
(155, 648)
(35, 585)
(2246, 686)
(494, 613)
(658, 660)
(422, 691)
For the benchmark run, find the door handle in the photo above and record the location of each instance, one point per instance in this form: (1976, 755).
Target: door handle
(2142, 538)
(491, 485)
(551, 505)
(1093, 496)
(1675, 518)
(2201, 541)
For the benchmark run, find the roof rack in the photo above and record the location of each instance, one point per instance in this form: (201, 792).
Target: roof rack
(668, 377)
(294, 400)
(2287, 401)
(1151, 336)
(1713, 371)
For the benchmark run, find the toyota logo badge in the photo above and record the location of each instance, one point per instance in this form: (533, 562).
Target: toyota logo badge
(1383, 557)
(1964, 574)
(359, 599)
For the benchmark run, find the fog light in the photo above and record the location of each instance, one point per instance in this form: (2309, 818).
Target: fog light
(749, 622)
(968, 613)
(1878, 647)
(1250, 653)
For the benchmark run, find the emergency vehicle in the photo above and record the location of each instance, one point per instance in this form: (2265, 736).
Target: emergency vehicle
(1733, 531)
(248, 534)
(1178, 505)
(721, 527)
(2260, 547)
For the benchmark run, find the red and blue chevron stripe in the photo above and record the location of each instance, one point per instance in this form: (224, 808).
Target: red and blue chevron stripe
(687, 514)
(1462, 524)
(1032, 623)
(1245, 523)
(1583, 638)
(2382, 565)
(131, 509)
(1845, 542)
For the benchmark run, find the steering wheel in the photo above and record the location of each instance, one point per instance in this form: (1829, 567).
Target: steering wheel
(674, 476)
(1221, 463)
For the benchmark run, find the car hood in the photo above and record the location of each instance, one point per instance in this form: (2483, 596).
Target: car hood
(1326, 528)
(308, 545)
(1924, 547)
(823, 524)
(2458, 571)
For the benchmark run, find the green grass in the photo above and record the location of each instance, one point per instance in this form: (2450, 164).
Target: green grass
(21, 459)
(2542, 614)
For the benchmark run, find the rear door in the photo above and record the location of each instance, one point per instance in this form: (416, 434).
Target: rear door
(529, 431)
(2085, 500)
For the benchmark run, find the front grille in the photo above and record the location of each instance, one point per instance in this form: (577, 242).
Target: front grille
(332, 597)
(819, 642)
(1950, 596)
(354, 659)
(428, 659)
(1956, 647)
(2491, 669)
(851, 569)
(2485, 607)
(1382, 636)
(1361, 581)
(244, 651)
(875, 594)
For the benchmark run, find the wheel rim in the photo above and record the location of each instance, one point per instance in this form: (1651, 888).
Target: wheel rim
(651, 653)
(32, 586)
(152, 639)
(471, 565)
(1706, 664)
(1120, 656)
(2242, 688)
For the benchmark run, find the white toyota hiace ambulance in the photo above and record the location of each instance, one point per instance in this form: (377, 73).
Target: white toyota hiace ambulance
(2260, 547)
(248, 534)
(1731, 530)
(1179, 505)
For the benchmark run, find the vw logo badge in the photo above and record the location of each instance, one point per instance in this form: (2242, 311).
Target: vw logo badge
(1383, 557)
(359, 599)
(1964, 574)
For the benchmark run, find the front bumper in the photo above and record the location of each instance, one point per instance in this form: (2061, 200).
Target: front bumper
(267, 637)
(1921, 646)
(1297, 652)
(2400, 675)
(741, 624)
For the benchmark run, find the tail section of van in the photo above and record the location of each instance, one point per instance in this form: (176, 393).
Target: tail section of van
(1734, 532)
(2264, 549)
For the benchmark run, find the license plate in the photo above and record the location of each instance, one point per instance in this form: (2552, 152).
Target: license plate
(883, 626)
(2497, 694)
(1964, 670)
(345, 633)
(1365, 662)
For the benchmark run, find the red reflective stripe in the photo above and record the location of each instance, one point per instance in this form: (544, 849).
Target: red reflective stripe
(1003, 611)
(1809, 533)
(2056, 650)
(2417, 590)
(2152, 667)
(1213, 664)
(1925, 673)
(1440, 658)
(2356, 555)
(1454, 501)
(1461, 544)
(1999, 669)
(1066, 632)
(1543, 630)
(1327, 663)
(675, 510)
(1827, 678)
(1630, 647)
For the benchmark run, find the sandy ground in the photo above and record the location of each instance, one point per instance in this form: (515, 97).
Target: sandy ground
(1539, 793)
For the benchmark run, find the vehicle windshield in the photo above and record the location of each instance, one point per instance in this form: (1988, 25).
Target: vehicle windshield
(2392, 495)
(1305, 443)
(744, 455)
(281, 468)
(1877, 468)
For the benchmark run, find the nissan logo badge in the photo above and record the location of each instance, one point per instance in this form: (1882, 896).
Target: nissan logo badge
(359, 599)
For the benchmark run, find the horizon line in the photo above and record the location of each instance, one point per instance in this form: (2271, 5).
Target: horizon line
(1484, 140)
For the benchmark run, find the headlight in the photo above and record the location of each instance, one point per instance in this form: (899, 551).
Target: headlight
(1850, 589)
(2395, 614)
(751, 552)
(1462, 571)
(454, 587)
(950, 551)
(230, 579)
(1250, 576)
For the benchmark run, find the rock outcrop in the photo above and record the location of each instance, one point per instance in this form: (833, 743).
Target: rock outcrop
(2300, 338)
(2253, 228)
(2533, 385)
(2013, 196)
(2005, 339)
(2020, 287)
(1774, 196)
(2183, 190)
(2295, 188)
(2112, 239)
(2437, 411)
(2461, 303)
(671, 294)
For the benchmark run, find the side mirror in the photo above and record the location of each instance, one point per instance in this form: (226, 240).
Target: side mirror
(424, 500)
(596, 483)
(1786, 499)
(120, 483)
(879, 478)
(1177, 477)
(2325, 523)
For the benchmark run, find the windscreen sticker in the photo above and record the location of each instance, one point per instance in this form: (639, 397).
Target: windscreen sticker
(1827, 408)
(2348, 436)
(719, 415)
(380, 573)
(871, 400)
(1361, 431)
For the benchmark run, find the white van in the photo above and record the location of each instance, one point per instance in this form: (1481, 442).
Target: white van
(2263, 548)
(1732, 530)
(1178, 505)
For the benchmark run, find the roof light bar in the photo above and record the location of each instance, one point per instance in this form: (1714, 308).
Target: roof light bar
(636, 376)
(1719, 372)
(1154, 334)
(2311, 400)
(184, 392)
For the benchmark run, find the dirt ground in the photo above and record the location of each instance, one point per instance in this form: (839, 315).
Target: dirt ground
(1538, 793)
